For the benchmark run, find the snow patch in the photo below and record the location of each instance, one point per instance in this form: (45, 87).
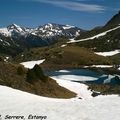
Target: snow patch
(31, 64)
(96, 36)
(102, 66)
(6, 43)
(6, 59)
(110, 53)
(80, 89)
(77, 33)
(1, 40)
(63, 45)
(18, 28)
(67, 27)
(5, 32)
(64, 71)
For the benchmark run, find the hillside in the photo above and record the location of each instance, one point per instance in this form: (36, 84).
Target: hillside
(17, 77)
(108, 42)
(62, 57)
(116, 58)
(75, 56)
(104, 38)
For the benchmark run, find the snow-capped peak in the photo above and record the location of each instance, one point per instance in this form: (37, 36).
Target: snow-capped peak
(18, 27)
(52, 29)
(14, 30)
(15, 27)
(68, 27)
(5, 32)
(50, 24)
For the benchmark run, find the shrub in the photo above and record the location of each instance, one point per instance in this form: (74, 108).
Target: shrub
(39, 72)
(20, 70)
(31, 77)
(35, 74)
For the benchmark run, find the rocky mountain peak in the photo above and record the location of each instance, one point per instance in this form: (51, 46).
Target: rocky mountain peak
(114, 21)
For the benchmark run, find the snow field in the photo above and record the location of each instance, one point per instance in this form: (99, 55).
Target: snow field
(15, 102)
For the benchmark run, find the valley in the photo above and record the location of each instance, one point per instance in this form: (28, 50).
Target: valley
(54, 70)
(63, 53)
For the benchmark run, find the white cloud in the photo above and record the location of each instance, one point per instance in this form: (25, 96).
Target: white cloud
(76, 6)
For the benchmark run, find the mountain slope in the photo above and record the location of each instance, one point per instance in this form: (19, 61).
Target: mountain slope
(112, 23)
(63, 57)
(106, 38)
(17, 77)
(102, 42)
(115, 20)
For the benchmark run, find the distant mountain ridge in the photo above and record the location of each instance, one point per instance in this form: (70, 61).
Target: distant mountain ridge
(45, 31)
(14, 36)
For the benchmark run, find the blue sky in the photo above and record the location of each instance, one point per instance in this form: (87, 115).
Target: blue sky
(85, 14)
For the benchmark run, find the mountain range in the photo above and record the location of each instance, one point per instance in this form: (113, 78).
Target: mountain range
(15, 39)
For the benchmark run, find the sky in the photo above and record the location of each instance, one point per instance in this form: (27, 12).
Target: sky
(85, 14)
